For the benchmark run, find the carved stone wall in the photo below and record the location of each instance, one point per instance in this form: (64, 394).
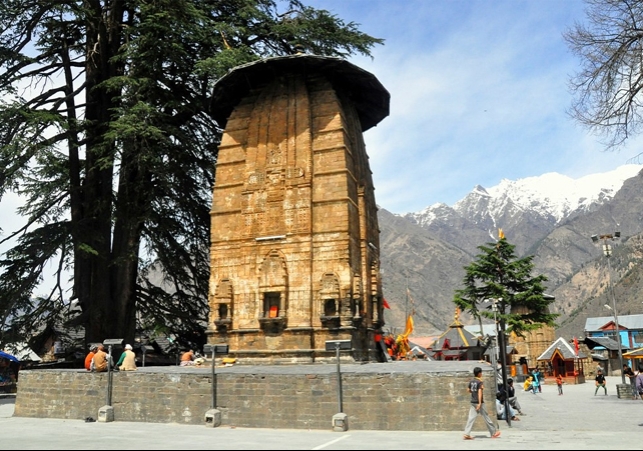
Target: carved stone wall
(294, 234)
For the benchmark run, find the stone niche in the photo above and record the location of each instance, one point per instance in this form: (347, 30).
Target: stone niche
(294, 235)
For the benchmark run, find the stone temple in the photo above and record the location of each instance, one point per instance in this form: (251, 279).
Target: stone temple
(294, 234)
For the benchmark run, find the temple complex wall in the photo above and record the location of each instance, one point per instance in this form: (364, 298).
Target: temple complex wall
(400, 396)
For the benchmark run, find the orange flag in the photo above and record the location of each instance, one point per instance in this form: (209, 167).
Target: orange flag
(409, 327)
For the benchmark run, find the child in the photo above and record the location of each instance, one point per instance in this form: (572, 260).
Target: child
(535, 383)
(559, 382)
(475, 388)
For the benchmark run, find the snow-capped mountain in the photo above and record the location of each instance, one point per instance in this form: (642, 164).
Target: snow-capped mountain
(528, 207)
(550, 195)
(550, 217)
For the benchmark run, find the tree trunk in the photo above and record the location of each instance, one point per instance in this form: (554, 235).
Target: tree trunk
(94, 230)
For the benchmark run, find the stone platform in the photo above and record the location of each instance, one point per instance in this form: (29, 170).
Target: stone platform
(412, 396)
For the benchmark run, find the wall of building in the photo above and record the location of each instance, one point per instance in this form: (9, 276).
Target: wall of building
(419, 396)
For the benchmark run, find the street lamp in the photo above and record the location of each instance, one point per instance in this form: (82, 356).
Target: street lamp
(501, 340)
(607, 251)
(494, 342)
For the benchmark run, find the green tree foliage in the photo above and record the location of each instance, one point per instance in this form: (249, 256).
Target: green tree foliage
(497, 275)
(607, 87)
(105, 135)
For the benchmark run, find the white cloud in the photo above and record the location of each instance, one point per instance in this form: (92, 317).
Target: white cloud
(478, 93)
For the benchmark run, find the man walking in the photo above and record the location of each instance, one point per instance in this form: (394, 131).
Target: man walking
(476, 387)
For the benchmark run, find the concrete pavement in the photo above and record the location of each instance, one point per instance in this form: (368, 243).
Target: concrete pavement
(576, 420)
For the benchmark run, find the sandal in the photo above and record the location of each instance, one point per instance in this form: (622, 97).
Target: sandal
(515, 419)
(468, 437)
(496, 434)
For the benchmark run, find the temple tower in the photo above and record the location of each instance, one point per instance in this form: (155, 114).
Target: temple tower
(294, 235)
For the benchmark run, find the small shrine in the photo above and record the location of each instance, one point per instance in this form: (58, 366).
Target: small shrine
(565, 360)
(457, 343)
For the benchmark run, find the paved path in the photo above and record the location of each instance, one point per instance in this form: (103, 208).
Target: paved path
(576, 420)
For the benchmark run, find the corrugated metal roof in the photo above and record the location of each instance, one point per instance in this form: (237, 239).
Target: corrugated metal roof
(627, 321)
(605, 342)
(487, 329)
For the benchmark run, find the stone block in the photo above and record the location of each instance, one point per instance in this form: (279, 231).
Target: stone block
(340, 422)
(212, 418)
(106, 414)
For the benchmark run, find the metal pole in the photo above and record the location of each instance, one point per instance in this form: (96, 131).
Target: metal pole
(503, 362)
(339, 381)
(144, 352)
(618, 329)
(214, 390)
(109, 376)
(494, 354)
(494, 362)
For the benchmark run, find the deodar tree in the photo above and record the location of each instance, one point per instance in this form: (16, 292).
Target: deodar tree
(497, 278)
(106, 138)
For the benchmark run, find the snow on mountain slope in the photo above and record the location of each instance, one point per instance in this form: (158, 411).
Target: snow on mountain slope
(550, 195)
(559, 195)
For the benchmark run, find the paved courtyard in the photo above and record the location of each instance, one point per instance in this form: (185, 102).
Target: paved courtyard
(576, 420)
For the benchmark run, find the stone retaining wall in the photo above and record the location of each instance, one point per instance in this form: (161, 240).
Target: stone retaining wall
(284, 398)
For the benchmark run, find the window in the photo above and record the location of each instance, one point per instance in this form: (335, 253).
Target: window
(223, 311)
(330, 307)
(271, 301)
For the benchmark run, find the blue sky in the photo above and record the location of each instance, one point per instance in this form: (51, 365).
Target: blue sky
(479, 92)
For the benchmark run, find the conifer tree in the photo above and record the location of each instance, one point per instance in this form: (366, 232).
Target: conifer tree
(500, 281)
(105, 135)
(498, 276)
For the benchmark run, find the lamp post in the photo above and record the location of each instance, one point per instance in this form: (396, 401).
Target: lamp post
(494, 342)
(607, 251)
(502, 350)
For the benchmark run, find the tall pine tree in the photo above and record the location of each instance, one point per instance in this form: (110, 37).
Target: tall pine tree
(105, 135)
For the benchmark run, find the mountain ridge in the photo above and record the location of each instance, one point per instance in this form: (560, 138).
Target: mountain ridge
(556, 231)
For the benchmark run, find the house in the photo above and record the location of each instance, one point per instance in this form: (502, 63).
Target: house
(565, 360)
(630, 333)
(606, 352)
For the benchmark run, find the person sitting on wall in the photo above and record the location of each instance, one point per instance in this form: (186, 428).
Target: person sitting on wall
(127, 361)
(90, 356)
(187, 358)
(99, 362)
